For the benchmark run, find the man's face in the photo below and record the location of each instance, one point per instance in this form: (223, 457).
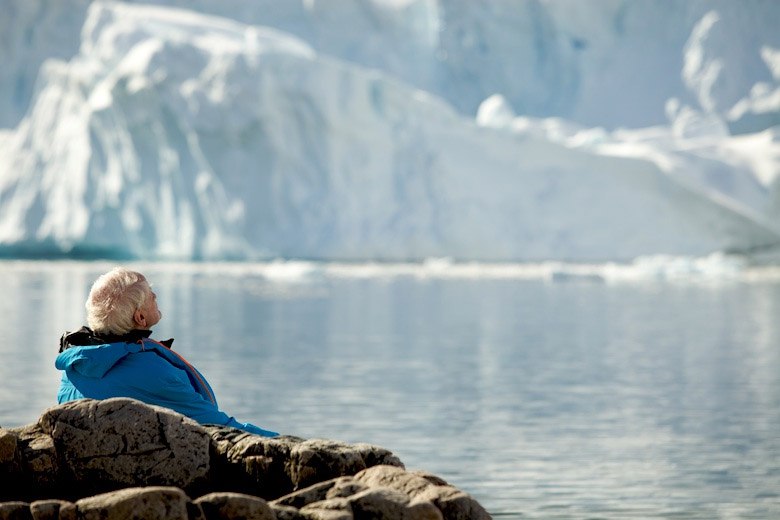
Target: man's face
(150, 311)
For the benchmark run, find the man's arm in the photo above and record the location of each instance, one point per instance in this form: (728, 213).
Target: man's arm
(168, 386)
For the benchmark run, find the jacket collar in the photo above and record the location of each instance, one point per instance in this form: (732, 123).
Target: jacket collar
(87, 337)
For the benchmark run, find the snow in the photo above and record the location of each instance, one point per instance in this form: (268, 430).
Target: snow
(473, 131)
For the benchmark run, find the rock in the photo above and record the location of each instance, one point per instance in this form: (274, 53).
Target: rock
(335, 488)
(345, 487)
(317, 460)
(148, 462)
(121, 442)
(10, 465)
(47, 509)
(15, 510)
(8, 442)
(377, 456)
(249, 463)
(226, 505)
(382, 503)
(347, 495)
(424, 510)
(286, 512)
(148, 503)
(430, 477)
(370, 503)
(272, 467)
(388, 476)
(453, 503)
(334, 509)
(327, 514)
(39, 464)
(314, 493)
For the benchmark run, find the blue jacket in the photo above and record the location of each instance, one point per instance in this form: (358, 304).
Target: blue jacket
(145, 370)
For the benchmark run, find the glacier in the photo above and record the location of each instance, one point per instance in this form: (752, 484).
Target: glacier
(521, 131)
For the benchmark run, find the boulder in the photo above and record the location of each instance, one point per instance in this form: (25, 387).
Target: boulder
(120, 458)
(395, 492)
(271, 467)
(317, 460)
(335, 488)
(34, 466)
(387, 476)
(453, 503)
(47, 509)
(345, 487)
(386, 503)
(249, 463)
(116, 443)
(8, 443)
(286, 512)
(10, 464)
(15, 510)
(226, 505)
(334, 509)
(370, 503)
(148, 503)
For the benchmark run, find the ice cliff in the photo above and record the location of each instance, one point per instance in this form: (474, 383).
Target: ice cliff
(391, 130)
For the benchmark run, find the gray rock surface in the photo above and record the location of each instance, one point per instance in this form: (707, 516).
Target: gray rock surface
(15, 510)
(317, 460)
(385, 492)
(47, 509)
(452, 502)
(147, 503)
(122, 442)
(224, 505)
(271, 467)
(8, 443)
(120, 458)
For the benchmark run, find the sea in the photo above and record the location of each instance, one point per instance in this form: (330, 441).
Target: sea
(549, 391)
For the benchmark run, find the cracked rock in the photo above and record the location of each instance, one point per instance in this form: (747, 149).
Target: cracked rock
(121, 442)
(120, 458)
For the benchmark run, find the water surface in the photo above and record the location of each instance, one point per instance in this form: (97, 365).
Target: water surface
(542, 397)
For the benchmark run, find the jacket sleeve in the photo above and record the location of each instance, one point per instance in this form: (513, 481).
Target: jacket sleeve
(170, 387)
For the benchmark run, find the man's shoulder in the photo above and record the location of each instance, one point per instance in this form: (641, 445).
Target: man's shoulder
(139, 358)
(149, 368)
(151, 357)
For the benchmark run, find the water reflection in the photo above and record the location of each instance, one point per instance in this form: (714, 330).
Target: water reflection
(550, 400)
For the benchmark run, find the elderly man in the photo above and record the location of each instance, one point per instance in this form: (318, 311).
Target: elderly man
(115, 356)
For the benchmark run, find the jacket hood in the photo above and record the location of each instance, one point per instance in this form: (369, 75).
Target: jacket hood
(94, 361)
(93, 354)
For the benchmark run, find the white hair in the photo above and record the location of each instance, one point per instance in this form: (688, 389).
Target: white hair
(113, 300)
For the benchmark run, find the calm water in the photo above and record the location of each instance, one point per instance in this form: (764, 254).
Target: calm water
(572, 399)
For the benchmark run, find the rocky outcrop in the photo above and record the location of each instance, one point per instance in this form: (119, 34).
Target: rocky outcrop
(120, 458)
(86, 447)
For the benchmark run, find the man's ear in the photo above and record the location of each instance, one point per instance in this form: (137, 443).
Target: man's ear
(139, 318)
